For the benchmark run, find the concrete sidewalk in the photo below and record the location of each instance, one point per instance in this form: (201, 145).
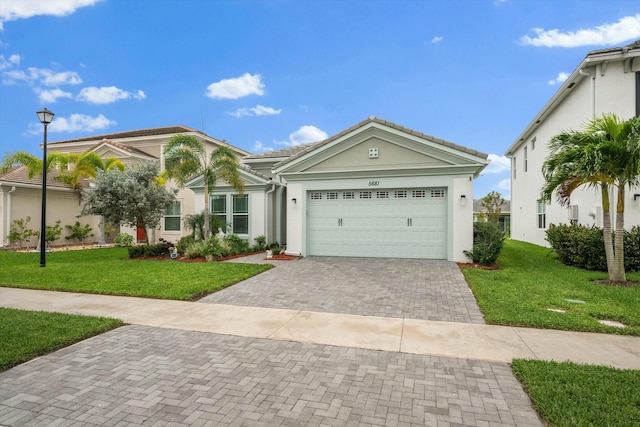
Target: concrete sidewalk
(448, 339)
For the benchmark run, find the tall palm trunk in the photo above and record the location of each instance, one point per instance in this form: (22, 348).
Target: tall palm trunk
(619, 274)
(606, 230)
(207, 222)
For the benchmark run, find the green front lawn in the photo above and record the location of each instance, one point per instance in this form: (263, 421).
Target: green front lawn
(28, 334)
(531, 281)
(567, 394)
(110, 271)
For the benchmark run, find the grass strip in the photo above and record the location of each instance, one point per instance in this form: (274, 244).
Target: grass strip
(28, 334)
(109, 271)
(568, 394)
(531, 282)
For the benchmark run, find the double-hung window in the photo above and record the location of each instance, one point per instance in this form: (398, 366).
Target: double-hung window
(172, 217)
(240, 214)
(542, 214)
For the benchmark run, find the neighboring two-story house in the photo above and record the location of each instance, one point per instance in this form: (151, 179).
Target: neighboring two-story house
(20, 197)
(606, 81)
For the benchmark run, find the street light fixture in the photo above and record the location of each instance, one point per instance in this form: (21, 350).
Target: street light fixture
(45, 117)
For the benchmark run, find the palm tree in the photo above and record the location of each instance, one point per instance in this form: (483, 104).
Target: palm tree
(76, 166)
(31, 162)
(606, 155)
(186, 157)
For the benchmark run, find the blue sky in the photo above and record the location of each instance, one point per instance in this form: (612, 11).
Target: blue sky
(266, 74)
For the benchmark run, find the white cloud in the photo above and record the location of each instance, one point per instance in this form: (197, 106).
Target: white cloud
(560, 79)
(437, 39)
(304, 135)
(247, 84)
(10, 10)
(498, 164)
(51, 96)
(627, 28)
(79, 123)
(504, 184)
(42, 76)
(259, 147)
(258, 110)
(9, 62)
(107, 95)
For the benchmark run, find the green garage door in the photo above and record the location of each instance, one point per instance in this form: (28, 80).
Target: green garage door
(398, 223)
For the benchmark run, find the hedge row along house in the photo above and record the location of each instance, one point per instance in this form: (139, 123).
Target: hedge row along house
(376, 189)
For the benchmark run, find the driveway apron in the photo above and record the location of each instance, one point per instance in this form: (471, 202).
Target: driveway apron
(151, 376)
(399, 288)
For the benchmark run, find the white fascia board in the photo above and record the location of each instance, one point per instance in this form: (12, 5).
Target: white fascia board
(564, 91)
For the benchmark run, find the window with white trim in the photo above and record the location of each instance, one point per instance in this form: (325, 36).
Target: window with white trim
(230, 212)
(240, 223)
(172, 217)
(526, 166)
(218, 208)
(542, 214)
(514, 165)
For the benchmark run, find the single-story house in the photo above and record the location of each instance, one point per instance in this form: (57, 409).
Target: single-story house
(480, 213)
(376, 189)
(606, 81)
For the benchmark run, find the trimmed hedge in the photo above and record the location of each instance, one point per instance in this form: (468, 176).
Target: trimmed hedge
(583, 247)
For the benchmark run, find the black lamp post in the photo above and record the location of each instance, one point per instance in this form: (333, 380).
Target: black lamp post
(45, 117)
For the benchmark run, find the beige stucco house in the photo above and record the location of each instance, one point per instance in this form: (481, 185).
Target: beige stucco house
(20, 197)
(606, 81)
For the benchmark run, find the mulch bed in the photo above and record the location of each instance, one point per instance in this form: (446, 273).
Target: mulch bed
(279, 257)
(480, 266)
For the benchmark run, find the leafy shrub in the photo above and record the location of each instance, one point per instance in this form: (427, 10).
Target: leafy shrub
(215, 247)
(79, 232)
(184, 243)
(583, 247)
(488, 239)
(53, 233)
(632, 249)
(236, 244)
(196, 250)
(158, 249)
(260, 243)
(123, 239)
(135, 251)
(19, 231)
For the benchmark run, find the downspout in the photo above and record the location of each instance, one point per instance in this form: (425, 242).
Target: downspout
(266, 213)
(8, 212)
(584, 72)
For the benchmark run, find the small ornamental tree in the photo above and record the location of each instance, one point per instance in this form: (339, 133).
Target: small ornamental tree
(79, 232)
(135, 197)
(493, 202)
(19, 231)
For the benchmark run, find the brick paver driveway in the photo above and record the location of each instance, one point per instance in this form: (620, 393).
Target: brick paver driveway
(401, 288)
(140, 375)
